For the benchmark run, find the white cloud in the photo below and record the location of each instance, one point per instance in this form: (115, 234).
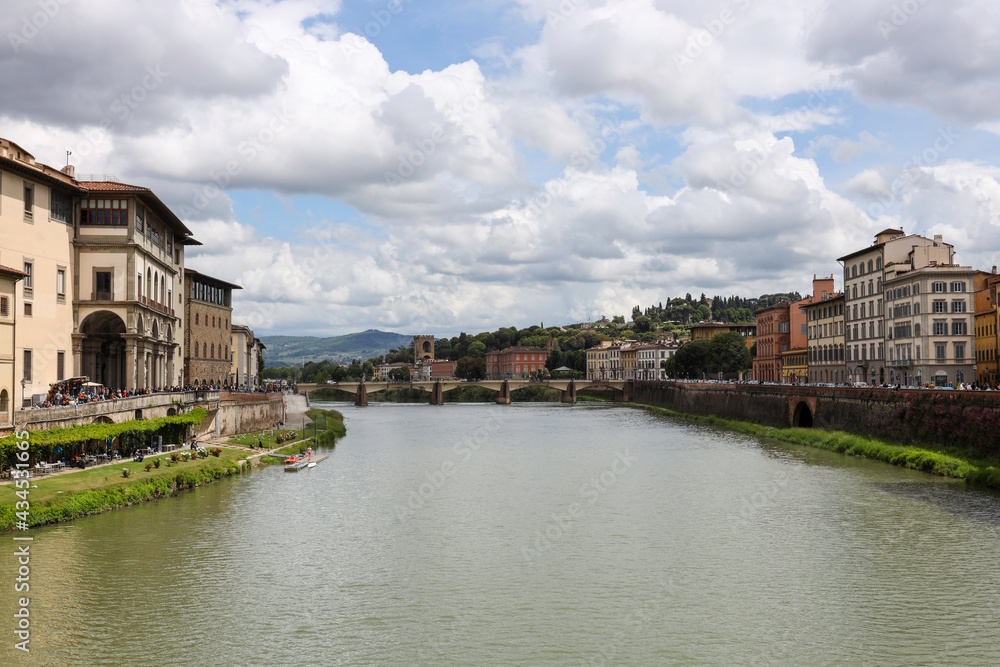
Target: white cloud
(621, 157)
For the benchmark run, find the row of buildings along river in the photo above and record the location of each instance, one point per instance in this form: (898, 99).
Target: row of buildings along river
(908, 315)
(93, 283)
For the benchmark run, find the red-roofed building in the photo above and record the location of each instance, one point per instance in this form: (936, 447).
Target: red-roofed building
(515, 362)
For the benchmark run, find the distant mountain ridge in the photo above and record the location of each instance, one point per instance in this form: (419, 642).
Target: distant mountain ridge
(297, 350)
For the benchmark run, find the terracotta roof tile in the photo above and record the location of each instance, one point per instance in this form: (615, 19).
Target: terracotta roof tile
(111, 186)
(7, 269)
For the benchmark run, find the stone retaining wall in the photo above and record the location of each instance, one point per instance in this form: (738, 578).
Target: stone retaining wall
(968, 419)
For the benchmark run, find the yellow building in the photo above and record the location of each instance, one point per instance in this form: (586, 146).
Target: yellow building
(103, 266)
(37, 206)
(8, 316)
(708, 330)
(795, 366)
(629, 357)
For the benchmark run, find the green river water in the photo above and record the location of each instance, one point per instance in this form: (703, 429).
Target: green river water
(527, 535)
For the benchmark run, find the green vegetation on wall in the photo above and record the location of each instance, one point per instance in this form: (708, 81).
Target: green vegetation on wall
(131, 434)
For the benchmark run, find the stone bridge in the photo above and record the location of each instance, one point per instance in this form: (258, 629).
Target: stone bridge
(437, 388)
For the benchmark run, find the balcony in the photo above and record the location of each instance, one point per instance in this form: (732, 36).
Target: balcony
(101, 296)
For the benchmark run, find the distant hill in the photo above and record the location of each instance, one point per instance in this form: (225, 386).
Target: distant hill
(297, 350)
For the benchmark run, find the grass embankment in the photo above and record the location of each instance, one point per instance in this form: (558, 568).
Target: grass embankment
(72, 495)
(950, 463)
(324, 429)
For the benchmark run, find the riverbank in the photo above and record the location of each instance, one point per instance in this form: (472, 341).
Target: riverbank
(74, 493)
(71, 495)
(948, 463)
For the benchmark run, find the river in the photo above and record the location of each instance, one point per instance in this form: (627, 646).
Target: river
(528, 534)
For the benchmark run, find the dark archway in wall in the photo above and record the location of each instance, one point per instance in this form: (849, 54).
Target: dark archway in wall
(803, 417)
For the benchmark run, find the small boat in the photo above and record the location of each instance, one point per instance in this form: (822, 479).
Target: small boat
(297, 466)
(311, 464)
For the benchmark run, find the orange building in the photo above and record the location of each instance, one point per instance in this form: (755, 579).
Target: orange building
(773, 338)
(794, 365)
(986, 331)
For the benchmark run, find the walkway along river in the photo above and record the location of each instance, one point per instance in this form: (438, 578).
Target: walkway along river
(529, 534)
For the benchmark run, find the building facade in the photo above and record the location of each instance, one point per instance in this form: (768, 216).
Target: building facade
(129, 272)
(245, 352)
(987, 370)
(864, 272)
(37, 229)
(102, 263)
(773, 338)
(825, 333)
(8, 318)
(650, 358)
(435, 369)
(709, 330)
(383, 372)
(598, 362)
(930, 323)
(794, 367)
(628, 358)
(515, 362)
(208, 335)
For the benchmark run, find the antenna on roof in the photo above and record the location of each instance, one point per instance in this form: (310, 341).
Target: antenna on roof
(68, 153)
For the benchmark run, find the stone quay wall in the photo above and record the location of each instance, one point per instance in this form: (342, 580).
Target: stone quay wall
(228, 413)
(963, 419)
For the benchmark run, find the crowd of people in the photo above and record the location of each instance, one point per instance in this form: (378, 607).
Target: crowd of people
(78, 391)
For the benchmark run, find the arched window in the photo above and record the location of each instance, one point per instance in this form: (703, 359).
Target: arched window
(204, 350)
(4, 402)
(149, 279)
(196, 318)
(212, 350)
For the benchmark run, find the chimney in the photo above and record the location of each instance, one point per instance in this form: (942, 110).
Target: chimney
(994, 269)
(69, 170)
(938, 239)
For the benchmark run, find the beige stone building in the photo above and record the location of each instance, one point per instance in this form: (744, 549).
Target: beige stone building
(128, 274)
(103, 263)
(247, 354)
(208, 336)
(8, 317)
(37, 206)
(599, 362)
(864, 272)
(930, 322)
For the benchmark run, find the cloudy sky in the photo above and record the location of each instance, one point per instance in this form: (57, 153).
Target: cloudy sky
(444, 165)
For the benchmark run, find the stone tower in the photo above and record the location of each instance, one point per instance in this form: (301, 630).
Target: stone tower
(423, 348)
